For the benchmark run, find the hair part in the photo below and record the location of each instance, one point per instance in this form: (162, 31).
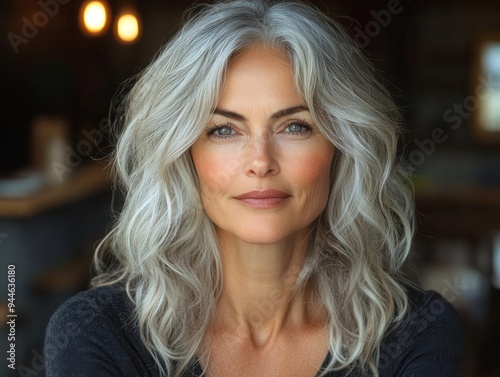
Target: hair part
(164, 244)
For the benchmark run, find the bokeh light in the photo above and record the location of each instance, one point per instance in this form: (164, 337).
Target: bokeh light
(127, 28)
(94, 17)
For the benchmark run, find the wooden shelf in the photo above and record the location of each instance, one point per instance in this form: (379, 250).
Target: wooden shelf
(86, 180)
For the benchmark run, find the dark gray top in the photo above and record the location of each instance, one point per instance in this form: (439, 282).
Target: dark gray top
(91, 334)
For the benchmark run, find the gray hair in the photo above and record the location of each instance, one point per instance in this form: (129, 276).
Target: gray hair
(164, 245)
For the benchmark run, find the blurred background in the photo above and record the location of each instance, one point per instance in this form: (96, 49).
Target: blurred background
(63, 65)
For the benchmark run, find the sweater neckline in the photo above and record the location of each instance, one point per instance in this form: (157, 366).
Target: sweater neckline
(197, 371)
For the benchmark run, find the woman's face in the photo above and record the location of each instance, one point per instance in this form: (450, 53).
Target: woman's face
(262, 163)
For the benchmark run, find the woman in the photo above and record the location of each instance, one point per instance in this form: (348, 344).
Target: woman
(266, 218)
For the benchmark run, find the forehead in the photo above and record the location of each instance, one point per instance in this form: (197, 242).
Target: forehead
(259, 52)
(259, 75)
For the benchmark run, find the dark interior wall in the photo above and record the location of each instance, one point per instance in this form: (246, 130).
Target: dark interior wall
(53, 69)
(423, 50)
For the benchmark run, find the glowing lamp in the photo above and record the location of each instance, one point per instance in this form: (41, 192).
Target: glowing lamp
(127, 27)
(94, 17)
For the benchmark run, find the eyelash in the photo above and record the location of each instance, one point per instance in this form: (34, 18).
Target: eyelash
(305, 125)
(211, 130)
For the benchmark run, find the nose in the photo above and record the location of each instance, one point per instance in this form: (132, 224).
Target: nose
(261, 157)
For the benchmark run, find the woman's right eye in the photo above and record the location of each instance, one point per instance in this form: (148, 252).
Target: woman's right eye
(224, 131)
(221, 132)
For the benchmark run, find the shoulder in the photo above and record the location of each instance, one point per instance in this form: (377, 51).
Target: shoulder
(433, 316)
(88, 308)
(428, 341)
(95, 329)
(431, 306)
(104, 302)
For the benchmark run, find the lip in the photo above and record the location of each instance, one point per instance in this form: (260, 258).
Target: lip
(263, 194)
(263, 198)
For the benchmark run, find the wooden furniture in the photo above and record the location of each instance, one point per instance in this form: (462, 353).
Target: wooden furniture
(84, 181)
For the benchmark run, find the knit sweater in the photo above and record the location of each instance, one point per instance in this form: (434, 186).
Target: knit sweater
(92, 334)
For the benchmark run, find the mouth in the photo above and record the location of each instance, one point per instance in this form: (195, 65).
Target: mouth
(263, 198)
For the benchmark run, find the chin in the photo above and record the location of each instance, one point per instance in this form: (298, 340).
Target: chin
(260, 237)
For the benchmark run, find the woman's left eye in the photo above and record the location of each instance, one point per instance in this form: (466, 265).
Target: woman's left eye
(298, 128)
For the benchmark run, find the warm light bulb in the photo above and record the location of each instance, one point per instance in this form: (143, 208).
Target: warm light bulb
(95, 16)
(128, 27)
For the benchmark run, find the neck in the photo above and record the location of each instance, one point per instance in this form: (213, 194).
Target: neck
(258, 300)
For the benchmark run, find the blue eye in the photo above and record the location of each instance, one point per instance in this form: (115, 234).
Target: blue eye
(223, 131)
(220, 131)
(298, 128)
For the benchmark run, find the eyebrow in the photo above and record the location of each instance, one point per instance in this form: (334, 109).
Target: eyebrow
(277, 115)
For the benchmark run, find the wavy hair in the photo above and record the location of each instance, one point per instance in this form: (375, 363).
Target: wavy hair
(163, 245)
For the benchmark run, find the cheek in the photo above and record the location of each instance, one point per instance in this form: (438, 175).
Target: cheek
(314, 176)
(214, 171)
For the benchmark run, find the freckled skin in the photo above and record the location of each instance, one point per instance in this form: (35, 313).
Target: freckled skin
(262, 153)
